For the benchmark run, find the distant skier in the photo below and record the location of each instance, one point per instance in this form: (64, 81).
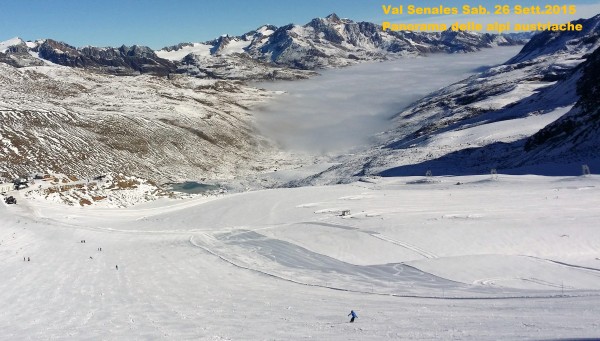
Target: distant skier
(117, 267)
(28, 259)
(353, 314)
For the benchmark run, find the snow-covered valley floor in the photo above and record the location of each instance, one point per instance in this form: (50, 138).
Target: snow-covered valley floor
(515, 258)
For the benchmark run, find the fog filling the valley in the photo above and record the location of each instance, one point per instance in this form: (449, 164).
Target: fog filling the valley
(344, 108)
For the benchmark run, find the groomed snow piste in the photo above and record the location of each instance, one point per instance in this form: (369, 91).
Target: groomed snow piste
(439, 258)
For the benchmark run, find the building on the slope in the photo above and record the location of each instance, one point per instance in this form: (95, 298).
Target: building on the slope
(6, 187)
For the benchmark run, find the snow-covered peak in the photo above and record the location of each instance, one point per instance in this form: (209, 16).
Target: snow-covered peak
(333, 17)
(265, 30)
(8, 43)
(17, 53)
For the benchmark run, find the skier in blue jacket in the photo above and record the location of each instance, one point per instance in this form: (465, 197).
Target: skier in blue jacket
(353, 315)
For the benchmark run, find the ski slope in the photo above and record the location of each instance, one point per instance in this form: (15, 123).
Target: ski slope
(513, 258)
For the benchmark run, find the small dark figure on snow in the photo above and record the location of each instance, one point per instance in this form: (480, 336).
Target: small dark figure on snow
(353, 314)
(117, 267)
(28, 259)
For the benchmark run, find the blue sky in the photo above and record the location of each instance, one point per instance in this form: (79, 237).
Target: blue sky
(159, 23)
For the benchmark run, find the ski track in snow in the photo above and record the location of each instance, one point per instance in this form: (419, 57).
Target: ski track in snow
(406, 245)
(488, 281)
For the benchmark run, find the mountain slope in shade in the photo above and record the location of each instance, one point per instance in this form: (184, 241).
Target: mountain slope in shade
(496, 119)
(577, 132)
(571, 65)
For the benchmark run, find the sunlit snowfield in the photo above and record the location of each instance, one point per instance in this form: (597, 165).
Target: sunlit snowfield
(513, 258)
(344, 107)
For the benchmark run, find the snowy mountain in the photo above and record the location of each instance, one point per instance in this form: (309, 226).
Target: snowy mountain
(501, 118)
(333, 42)
(124, 60)
(266, 53)
(237, 66)
(81, 123)
(18, 53)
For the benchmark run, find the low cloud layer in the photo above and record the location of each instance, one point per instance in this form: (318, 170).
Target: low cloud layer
(343, 108)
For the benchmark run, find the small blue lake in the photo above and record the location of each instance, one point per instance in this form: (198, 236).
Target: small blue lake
(193, 187)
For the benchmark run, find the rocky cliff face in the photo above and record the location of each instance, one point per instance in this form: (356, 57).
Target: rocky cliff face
(17, 54)
(122, 60)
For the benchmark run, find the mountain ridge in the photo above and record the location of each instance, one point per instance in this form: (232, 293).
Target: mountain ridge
(334, 42)
(287, 52)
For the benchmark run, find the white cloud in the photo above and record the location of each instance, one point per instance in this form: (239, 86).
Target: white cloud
(342, 108)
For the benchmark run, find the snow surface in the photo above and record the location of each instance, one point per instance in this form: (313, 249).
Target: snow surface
(502, 131)
(235, 46)
(521, 91)
(515, 258)
(196, 48)
(204, 50)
